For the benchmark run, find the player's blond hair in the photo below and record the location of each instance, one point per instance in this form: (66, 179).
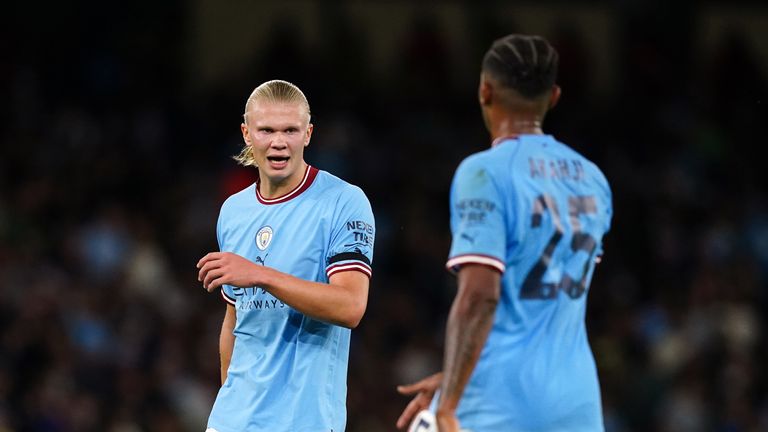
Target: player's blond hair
(275, 91)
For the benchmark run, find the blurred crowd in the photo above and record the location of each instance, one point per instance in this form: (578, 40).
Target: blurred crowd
(112, 172)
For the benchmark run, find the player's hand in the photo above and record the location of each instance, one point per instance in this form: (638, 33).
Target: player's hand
(218, 268)
(424, 391)
(447, 421)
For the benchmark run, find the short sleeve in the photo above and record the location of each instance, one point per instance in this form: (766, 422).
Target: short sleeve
(477, 218)
(227, 293)
(352, 235)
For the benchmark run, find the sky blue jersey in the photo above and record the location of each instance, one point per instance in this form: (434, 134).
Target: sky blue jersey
(536, 211)
(288, 372)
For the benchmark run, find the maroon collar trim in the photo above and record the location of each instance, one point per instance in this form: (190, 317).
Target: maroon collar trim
(309, 176)
(499, 140)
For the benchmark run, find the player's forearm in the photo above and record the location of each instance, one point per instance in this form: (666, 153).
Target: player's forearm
(226, 342)
(469, 324)
(326, 302)
(225, 357)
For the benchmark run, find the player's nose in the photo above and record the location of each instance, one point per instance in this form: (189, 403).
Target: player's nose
(278, 141)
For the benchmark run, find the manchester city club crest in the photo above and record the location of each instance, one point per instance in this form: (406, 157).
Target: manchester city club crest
(264, 237)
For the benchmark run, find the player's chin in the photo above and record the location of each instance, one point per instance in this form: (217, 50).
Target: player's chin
(278, 174)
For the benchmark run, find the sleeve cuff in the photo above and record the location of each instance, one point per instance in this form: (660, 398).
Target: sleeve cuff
(348, 261)
(454, 263)
(349, 266)
(227, 298)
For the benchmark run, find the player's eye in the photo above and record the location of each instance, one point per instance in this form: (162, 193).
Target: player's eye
(266, 130)
(292, 130)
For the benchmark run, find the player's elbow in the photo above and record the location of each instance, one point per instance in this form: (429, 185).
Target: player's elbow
(354, 315)
(351, 324)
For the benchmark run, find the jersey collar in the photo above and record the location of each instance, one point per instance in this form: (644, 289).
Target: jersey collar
(501, 139)
(309, 176)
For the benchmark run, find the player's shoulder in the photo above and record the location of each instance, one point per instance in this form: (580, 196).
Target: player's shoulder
(491, 161)
(592, 169)
(330, 185)
(245, 196)
(236, 204)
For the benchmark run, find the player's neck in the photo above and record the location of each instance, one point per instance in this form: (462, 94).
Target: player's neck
(516, 124)
(275, 188)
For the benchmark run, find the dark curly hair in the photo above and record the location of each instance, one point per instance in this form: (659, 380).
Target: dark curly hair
(526, 64)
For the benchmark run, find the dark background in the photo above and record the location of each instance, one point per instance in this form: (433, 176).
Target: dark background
(117, 123)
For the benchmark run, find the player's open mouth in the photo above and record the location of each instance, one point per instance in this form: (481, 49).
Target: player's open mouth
(278, 161)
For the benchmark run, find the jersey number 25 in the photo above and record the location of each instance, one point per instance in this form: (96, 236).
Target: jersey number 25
(534, 287)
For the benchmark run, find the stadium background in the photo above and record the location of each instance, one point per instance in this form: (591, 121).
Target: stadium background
(118, 120)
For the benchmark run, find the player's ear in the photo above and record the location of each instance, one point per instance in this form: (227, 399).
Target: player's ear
(484, 92)
(554, 97)
(310, 128)
(244, 130)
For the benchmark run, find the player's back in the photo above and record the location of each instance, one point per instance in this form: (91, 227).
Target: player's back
(536, 371)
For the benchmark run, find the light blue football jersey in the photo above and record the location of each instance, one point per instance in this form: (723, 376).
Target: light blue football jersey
(288, 371)
(536, 211)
